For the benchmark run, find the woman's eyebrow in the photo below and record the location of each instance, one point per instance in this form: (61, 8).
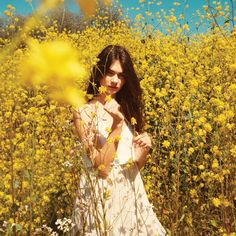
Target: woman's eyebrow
(118, 73)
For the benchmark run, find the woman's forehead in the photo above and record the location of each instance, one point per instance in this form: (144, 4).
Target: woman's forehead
(116, 66)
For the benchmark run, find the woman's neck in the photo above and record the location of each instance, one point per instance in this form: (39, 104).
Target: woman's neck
(102, 98)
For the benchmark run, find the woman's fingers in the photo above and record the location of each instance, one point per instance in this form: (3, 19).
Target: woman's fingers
(143, 140)
(142, 136)
(138, 137)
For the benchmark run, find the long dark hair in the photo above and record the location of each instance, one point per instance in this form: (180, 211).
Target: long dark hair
(130, 96)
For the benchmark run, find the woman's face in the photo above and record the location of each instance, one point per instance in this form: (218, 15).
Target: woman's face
(114, 80)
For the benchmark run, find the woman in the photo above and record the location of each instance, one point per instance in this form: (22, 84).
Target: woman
(111, 199)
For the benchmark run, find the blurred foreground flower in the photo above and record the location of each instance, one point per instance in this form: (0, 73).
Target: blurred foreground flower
(55, 64)
(88, 8)
(107, 2)
(47, 4)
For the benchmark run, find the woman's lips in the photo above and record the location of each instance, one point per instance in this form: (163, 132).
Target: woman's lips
(112, 88)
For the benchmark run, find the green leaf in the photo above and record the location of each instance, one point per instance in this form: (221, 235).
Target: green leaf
(16, 184)
(214, 223)
(18, 227)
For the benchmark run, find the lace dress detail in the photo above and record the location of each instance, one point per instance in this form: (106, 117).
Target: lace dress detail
(117, 205)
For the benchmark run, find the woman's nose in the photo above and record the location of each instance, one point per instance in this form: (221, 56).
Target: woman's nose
(114, 78)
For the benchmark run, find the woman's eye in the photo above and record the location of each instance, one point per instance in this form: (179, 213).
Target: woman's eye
(110, 73)
(121, 76)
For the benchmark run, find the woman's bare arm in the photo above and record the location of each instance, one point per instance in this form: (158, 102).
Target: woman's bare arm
(101, 156)
(142, 145)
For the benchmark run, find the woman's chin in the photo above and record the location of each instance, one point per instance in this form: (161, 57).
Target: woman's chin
(111, 92)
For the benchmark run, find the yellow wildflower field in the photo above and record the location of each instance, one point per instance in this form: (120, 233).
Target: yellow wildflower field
(189, 94)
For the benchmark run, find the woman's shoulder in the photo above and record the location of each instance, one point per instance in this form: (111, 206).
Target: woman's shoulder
(88, 109)
(89, 106)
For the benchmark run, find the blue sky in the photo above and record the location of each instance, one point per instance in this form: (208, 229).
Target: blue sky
(128, 7)
(24, 8)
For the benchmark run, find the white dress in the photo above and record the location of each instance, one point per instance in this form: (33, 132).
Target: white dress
(117, 205)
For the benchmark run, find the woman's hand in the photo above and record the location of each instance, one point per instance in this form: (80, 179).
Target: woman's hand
(143, 141)
(113, 108)
(142, 145)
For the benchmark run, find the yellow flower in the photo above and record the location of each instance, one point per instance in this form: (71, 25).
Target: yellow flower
(218, 8)
(221, 119)
(11, 220)
(107, 2)
(206, 156)
(102, 89)
(172, 19)
(166, 143)
(138, 17)
(176, 4)
(172, 153)
(108, 130)
(117, 138)
(133, 121)
(233, 151)
(189, 219)
(226, 203)
(129, 163)
(10, 7)
(190, 151)
(110, 140)
(205, 7)
(185, 26)
(46, 198)
(207, 127)
(215, 150)
(101, 167)
(42, 142)
(106, 194)
(216, 202)
(148, 13)
(201, 167)
(108, 98)
(52, 62)
(208, 16)
(90, 96)
(55, 64)
(8, 13)
(193, 193)
(215, 164)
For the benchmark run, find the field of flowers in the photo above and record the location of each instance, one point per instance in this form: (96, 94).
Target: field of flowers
(189, 85)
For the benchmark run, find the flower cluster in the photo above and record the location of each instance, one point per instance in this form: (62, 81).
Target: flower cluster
(64, 225)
